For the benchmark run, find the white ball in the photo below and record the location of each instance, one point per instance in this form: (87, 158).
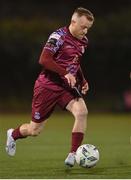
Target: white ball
(87, 155)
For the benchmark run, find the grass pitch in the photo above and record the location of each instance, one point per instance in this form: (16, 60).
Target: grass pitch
(43, 156)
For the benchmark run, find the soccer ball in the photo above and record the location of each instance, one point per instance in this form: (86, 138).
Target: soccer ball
(87, 155)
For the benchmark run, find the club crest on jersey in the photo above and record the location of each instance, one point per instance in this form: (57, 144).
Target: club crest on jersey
(76, 59)
(37, 115)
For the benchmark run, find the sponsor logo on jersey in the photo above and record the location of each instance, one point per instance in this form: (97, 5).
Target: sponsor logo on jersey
(55, 36)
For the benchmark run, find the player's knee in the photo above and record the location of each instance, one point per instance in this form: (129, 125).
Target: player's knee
(81, 113)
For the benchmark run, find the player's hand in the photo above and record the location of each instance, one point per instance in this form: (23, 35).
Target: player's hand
(85, 88)
(70, 79)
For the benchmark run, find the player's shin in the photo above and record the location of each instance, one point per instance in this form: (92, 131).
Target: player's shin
(77, 138)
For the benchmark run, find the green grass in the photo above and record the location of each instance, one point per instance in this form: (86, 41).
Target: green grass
(43, 156)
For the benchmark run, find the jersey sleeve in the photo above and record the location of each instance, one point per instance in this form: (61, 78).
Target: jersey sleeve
(54, 42)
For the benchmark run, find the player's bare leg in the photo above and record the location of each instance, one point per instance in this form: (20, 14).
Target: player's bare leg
(79, 110)
(31, 129)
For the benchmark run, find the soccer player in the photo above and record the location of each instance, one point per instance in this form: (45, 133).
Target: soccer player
(61, 82)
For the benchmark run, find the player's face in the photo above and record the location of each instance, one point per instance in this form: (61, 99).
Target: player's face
(81, 27)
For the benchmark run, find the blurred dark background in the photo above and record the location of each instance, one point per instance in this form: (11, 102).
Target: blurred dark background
(25, 27)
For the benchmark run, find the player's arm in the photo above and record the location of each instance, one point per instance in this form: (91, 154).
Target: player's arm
(46, 59)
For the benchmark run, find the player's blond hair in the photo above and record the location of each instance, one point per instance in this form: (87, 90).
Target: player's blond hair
(80, 11)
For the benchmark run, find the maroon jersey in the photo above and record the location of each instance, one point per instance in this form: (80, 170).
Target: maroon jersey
(67, 52)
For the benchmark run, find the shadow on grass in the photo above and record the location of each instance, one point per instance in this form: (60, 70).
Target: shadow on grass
(98, 171)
